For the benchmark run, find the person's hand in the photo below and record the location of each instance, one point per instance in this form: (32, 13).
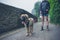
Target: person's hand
(46, 9)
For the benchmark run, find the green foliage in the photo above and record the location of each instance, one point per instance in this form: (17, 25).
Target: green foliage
(36, 7)
(54, 11)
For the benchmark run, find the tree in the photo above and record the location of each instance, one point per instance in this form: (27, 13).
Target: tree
(33, 12)
(37, 8)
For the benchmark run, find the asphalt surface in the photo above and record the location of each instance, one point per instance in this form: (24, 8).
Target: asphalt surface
(20, 34)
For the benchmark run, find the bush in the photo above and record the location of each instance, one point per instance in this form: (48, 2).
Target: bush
(54, 11)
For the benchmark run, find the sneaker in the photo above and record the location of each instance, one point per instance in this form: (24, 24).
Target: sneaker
(42, 28)
(47, 28)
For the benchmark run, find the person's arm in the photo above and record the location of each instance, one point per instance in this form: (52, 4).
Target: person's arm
(48, 6)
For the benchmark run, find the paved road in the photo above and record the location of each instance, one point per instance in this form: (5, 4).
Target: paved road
(53, 34)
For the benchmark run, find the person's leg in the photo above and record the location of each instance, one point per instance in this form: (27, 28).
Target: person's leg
(47, 22)
(42, 22)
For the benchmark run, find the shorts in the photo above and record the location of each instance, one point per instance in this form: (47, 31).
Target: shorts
(44, 13)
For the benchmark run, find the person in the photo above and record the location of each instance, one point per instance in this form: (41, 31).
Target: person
(31, 22)
(25, 21)
(44, 9)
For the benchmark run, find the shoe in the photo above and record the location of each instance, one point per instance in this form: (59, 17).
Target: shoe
(42, 28)
(47, 28)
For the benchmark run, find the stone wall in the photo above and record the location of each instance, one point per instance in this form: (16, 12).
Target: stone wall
(10, 18)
